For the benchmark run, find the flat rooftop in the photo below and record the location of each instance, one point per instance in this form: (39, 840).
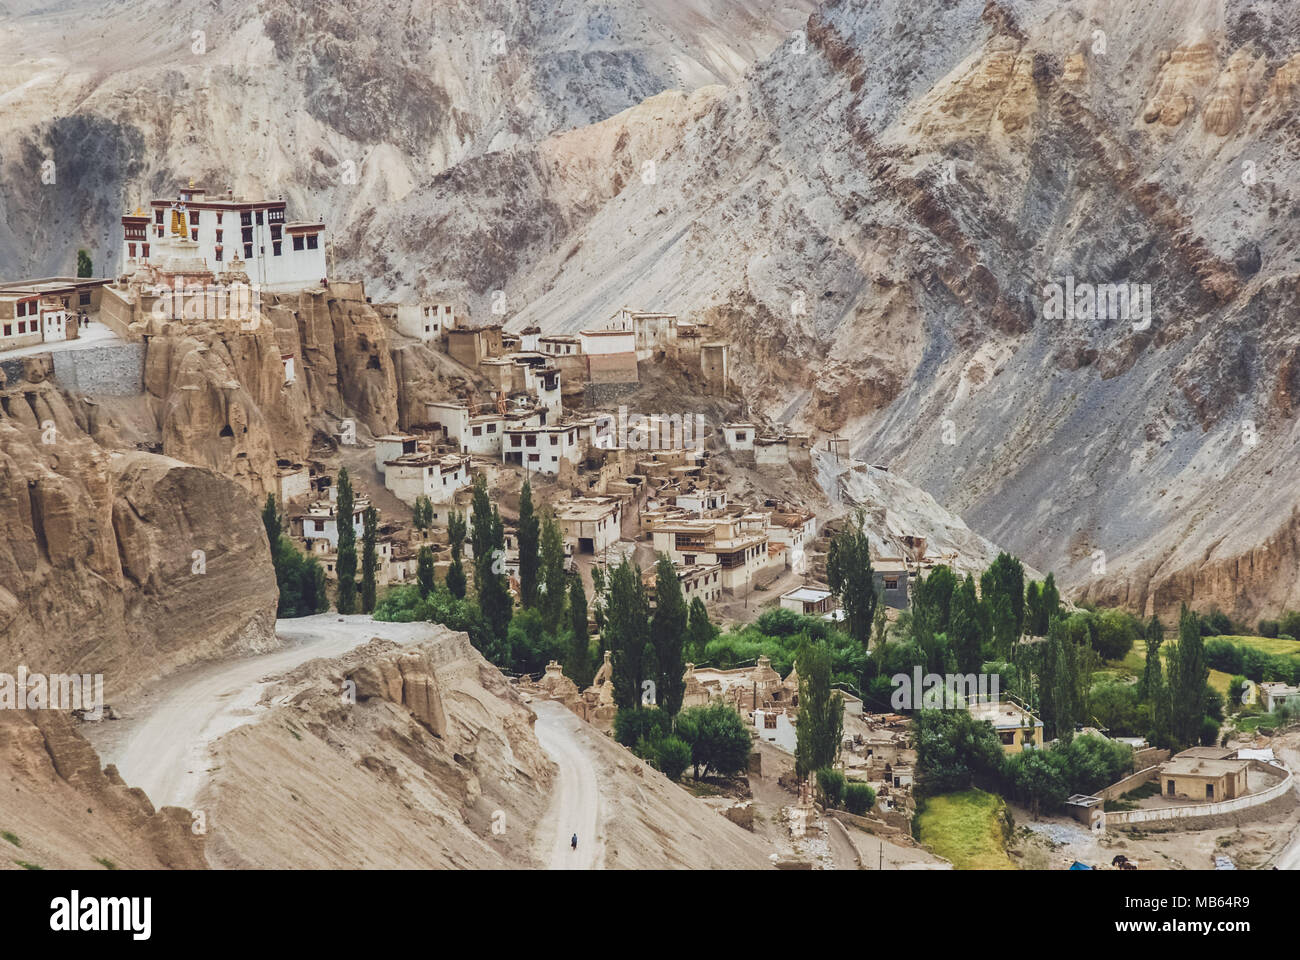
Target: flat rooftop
(1201, 767)
(1004, 715)
(807, 594)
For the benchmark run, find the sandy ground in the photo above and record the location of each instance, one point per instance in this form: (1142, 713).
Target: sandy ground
(162, 745)
(1055, 842)
(575, 804)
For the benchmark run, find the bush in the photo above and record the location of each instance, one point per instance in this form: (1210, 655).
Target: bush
(1269, 628)
(831, 785)
(859, 798)
(632, 724)
(1289, 623)
(718, 738)
(674, 756)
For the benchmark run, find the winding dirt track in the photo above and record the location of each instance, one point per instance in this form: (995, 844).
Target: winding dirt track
(575, 805)
(162, 746)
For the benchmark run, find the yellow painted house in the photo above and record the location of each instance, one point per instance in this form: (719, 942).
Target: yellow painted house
(1015, 725)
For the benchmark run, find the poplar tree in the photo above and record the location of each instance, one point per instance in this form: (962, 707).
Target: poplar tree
(369, 559)
(456, 530)
(553, 576)
(667, 634)
(424, 570)
(627, 633)
(820, 726)
(487, 536)
(347, 562)
(849, 574)
(1188, 672)
(528, 544)
(579, 667)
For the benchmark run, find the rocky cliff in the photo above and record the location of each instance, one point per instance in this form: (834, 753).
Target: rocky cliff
(125, 564)
(219, 391)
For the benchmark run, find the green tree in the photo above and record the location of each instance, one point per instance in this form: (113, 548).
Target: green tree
(667, 635)
(718, 738)
(699, 631)
(967, 643)
(422, 513)
(673, 756)
(579, 666)
(456, 530)
(554, 578)
(820, 726)
(272, 521)
(424, 571)
(955, 751)
(347, 562)
(85, 268)
(848, 571)
(487, 537)
(627, 633)
(529, 534)
(934, 595)
(1005, 578)
(1150, 681)
(369, 559)
(1188, 672)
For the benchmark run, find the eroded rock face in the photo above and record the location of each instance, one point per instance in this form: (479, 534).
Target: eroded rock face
(220, 394)
(125, 564)
(69, 813)
(406, 679)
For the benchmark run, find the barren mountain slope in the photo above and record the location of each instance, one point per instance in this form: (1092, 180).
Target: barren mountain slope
(340, 105)
(874, 217)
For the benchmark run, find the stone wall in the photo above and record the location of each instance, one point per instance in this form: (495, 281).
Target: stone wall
(112, 370)
(1253, 806)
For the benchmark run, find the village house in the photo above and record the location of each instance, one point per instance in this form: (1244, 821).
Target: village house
(425, 321)
(1273, 694)
(46, 310)
(1015, 725)
(703, 581)
(471, 345)
(739, 436)
(591, 524)
(610, 355)
(890, 577)
(652, 331)
(738, 544)
(809, 600)
(436, 476)
(319, 521)
(542, 448)
(278, 254)
(1203, 779)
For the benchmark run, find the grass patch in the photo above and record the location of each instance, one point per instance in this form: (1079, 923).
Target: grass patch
(106, 863)
(11, 837)
(290, 728)
(28, 866)
(1269, 645)
(1149, 789)
(966, 828)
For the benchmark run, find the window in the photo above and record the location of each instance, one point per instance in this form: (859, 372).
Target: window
(144, 252)
(534, 457)
(9, 329)
(891, 583)
(531, 441)
(1169, 787)
(83, 298)
(219, 233)
(130, 251)
(157, 216)
(248, 251)
(554, 440)
(194, 218)
(297, 242)
(478, 431)
(194, 234)
(245, 218)
(218, 218)
(22, 326)
(259, 218)
(276, 248)
(492, 428)
(311, 241)
(218, 253)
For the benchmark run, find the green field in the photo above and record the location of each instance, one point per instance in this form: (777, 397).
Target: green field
(1135, 663)
(966, 828)
(1269, 645)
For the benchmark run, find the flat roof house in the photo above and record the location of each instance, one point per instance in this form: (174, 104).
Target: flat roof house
(1202, 779)
(1015, 725)
(810, 601)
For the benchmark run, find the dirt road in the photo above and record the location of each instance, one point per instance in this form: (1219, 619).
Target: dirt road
(1289, 859)
(163, 744)
(575, 806)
